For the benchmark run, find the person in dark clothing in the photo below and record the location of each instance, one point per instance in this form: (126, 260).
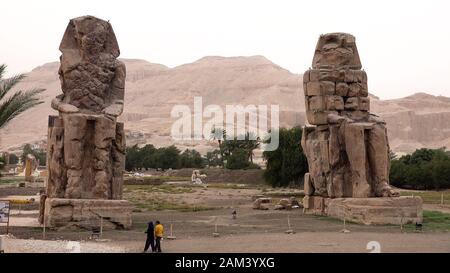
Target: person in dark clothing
(150, 237)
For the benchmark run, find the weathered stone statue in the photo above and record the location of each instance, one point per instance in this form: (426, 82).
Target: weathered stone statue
(86, 145)
(347, 147)
(31, 164)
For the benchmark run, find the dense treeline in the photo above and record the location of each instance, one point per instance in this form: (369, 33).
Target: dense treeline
(39, 154)
(286, 165)
(149, 157)
(232, 154)
(425, 169)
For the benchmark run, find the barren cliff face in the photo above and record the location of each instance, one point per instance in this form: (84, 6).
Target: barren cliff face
(152, 90)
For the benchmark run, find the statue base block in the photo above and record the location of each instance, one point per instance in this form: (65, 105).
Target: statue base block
(368, 211)
(88, 213)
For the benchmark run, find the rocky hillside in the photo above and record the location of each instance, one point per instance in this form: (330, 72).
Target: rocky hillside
(152, 90)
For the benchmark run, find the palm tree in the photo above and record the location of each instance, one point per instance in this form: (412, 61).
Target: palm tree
(221, 136)
(250, 144)
(19, 101)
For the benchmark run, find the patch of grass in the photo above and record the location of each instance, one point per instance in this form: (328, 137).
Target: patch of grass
(335, 220)
(231, 186)
(154, 179)
(164, 188)
(159, 204)
(432, 221)
(146, 197)
(161, 177)
(429, 197)
(296, 194)
(327, 218)
(7, 181)
(11, 179)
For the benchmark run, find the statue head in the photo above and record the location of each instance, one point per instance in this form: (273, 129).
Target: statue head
(88, 37)
(88, 63)
(336, 50)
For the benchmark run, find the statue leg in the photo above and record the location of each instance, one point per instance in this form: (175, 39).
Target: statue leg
(105, 130)
(356, 152)
(74, 138)
(118, 157)
(313, 147)
(378, 154)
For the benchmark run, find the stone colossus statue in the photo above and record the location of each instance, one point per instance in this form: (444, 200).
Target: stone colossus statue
(347, 147)
(86, 153)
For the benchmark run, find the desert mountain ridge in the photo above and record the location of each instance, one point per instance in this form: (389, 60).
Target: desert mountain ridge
(416, 121)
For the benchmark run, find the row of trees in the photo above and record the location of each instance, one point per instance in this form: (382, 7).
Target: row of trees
(425, 169)
(233, 153)
(39, 154)
(149, 157)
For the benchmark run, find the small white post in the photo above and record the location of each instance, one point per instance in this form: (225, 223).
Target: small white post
(43, 230)
(215, 234)
(2, 244)
(442, 199)
(289, 223)
(342, 213)
(101, 226)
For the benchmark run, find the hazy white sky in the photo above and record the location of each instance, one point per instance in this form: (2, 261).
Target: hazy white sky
(404, 45)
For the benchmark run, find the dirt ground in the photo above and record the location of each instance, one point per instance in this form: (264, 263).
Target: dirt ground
(198, 212)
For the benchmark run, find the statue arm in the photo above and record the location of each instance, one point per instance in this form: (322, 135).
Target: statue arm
(63, 107)
(336, 119)
(117, 91)
(376, 119)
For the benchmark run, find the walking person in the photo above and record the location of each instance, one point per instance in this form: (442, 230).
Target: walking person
(159, 233)
(150, 237)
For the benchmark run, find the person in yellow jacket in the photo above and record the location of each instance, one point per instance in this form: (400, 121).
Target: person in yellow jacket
(159, 233)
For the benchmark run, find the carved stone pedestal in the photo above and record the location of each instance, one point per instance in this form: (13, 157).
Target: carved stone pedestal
(368, 211)
(88, 213)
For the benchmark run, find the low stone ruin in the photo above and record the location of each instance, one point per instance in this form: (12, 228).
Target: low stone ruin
(260, 203)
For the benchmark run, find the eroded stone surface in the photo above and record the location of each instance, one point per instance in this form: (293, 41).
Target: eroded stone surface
(368, 211)
(88, 213)
(346, 146)
(86, 145)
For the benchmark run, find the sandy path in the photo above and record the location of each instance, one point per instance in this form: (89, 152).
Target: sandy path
(306, 242)
(435, 207)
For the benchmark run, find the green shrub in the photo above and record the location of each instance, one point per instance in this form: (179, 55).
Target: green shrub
(425, 169)
(286, 165)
